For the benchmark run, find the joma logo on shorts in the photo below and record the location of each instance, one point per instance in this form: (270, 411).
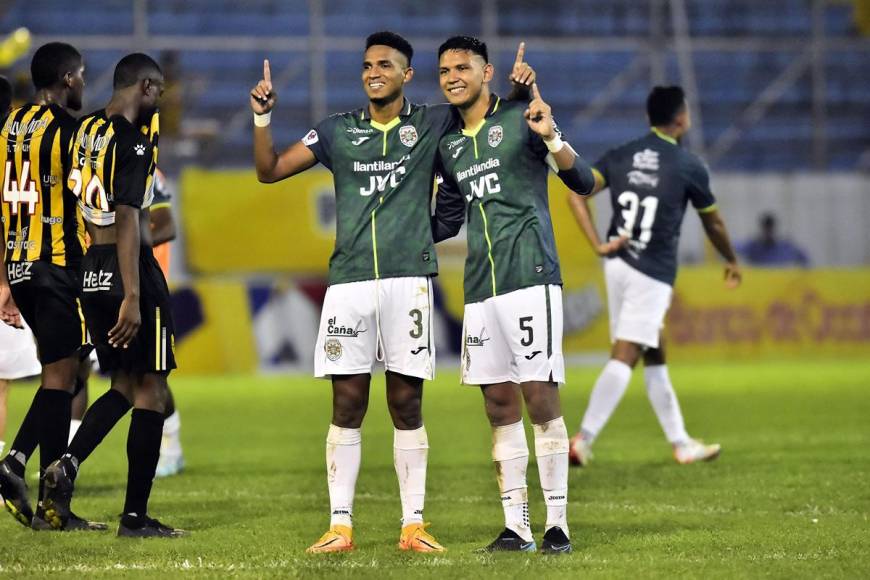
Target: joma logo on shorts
(471, 340)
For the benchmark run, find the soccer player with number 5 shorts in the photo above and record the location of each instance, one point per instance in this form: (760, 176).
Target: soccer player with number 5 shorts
(651, 180)
(124, 293)
(498, 160)
(379, 302)
(42, 248)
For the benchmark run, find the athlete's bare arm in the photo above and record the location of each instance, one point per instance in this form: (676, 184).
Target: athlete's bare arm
(271, 166)
(9, 312)
(580, 208)
(718, 236)
(127, 235)
(162, 225)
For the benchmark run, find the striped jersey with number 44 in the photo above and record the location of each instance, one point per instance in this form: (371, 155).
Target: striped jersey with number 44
(500, 167)
(39, 216)
(651, 181)
(113, 163)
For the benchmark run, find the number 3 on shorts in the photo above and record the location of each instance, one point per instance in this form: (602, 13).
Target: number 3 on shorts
(417, 317)
(526, 326)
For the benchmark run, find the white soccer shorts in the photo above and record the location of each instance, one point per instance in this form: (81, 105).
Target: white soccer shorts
(17, 353)
(388, 319)
(515, 337)
(637, 304)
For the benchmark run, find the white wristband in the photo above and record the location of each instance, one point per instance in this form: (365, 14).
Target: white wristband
(262, 120)
(555, 144)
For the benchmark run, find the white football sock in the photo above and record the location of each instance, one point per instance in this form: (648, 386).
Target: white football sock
(74, 425)
(664, 401)
(343, 456)
(551, 450)
(2, 447)
(410, 454)
(608, 391)
(170, 444)
(511, 455)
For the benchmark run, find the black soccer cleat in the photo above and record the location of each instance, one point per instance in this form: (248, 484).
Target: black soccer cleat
(58, 493)
(133, 526)
(510, 541)
(13, 489)
(74, 523)
(555, 542)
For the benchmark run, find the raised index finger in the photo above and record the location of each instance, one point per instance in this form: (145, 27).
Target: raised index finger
(267, 72)
(521, 51)
(536, 94)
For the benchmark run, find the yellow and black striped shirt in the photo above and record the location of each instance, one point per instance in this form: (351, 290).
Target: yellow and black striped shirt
(40, 218)
(113, 163)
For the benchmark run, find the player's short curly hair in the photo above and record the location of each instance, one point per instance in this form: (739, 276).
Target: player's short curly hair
(663, 105)
(51, 62)
(133, 68)
(469, 43)
(393, 40)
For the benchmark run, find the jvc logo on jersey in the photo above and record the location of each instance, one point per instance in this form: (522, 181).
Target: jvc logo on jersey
(98, 281)
(335, 329)
(18, 272)
(484, 184)
(378, 183)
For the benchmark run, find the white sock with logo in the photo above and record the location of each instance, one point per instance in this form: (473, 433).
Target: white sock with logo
(511, 455)
(170, 444)
(410, 456)
(664, 401)
(608, 391)
(551, 451)
(343, 457)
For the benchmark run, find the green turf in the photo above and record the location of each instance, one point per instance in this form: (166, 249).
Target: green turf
(789, 496)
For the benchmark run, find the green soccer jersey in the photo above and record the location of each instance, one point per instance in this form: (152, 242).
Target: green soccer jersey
(383, 176)
(500, 169)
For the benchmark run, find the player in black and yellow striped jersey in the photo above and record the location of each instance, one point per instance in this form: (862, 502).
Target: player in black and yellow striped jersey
(43, 241)
(124, 294)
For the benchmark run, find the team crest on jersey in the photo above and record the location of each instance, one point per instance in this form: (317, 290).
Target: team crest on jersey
(311, 138)
(333, 349)
(495, 135)
(408, 135)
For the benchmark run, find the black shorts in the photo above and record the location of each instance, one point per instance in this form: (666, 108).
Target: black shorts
(152, 350)
(47, 296)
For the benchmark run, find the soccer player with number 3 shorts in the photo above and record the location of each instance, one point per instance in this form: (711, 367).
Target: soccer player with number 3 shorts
(498, 160)
(651, 181)
(379, 302)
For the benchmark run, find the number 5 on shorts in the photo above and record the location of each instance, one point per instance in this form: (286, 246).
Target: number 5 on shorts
(526, 326)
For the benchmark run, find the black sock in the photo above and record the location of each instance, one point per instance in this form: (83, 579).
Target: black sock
(27, 437)
(143, 452)
(170, 404)
(102, 416)
(54, 418)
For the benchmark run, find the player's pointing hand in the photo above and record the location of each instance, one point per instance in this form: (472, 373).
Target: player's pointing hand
(522, 73)
(539, 115)
(263, 95)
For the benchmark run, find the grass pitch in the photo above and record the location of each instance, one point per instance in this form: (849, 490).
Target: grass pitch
(789, 496)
